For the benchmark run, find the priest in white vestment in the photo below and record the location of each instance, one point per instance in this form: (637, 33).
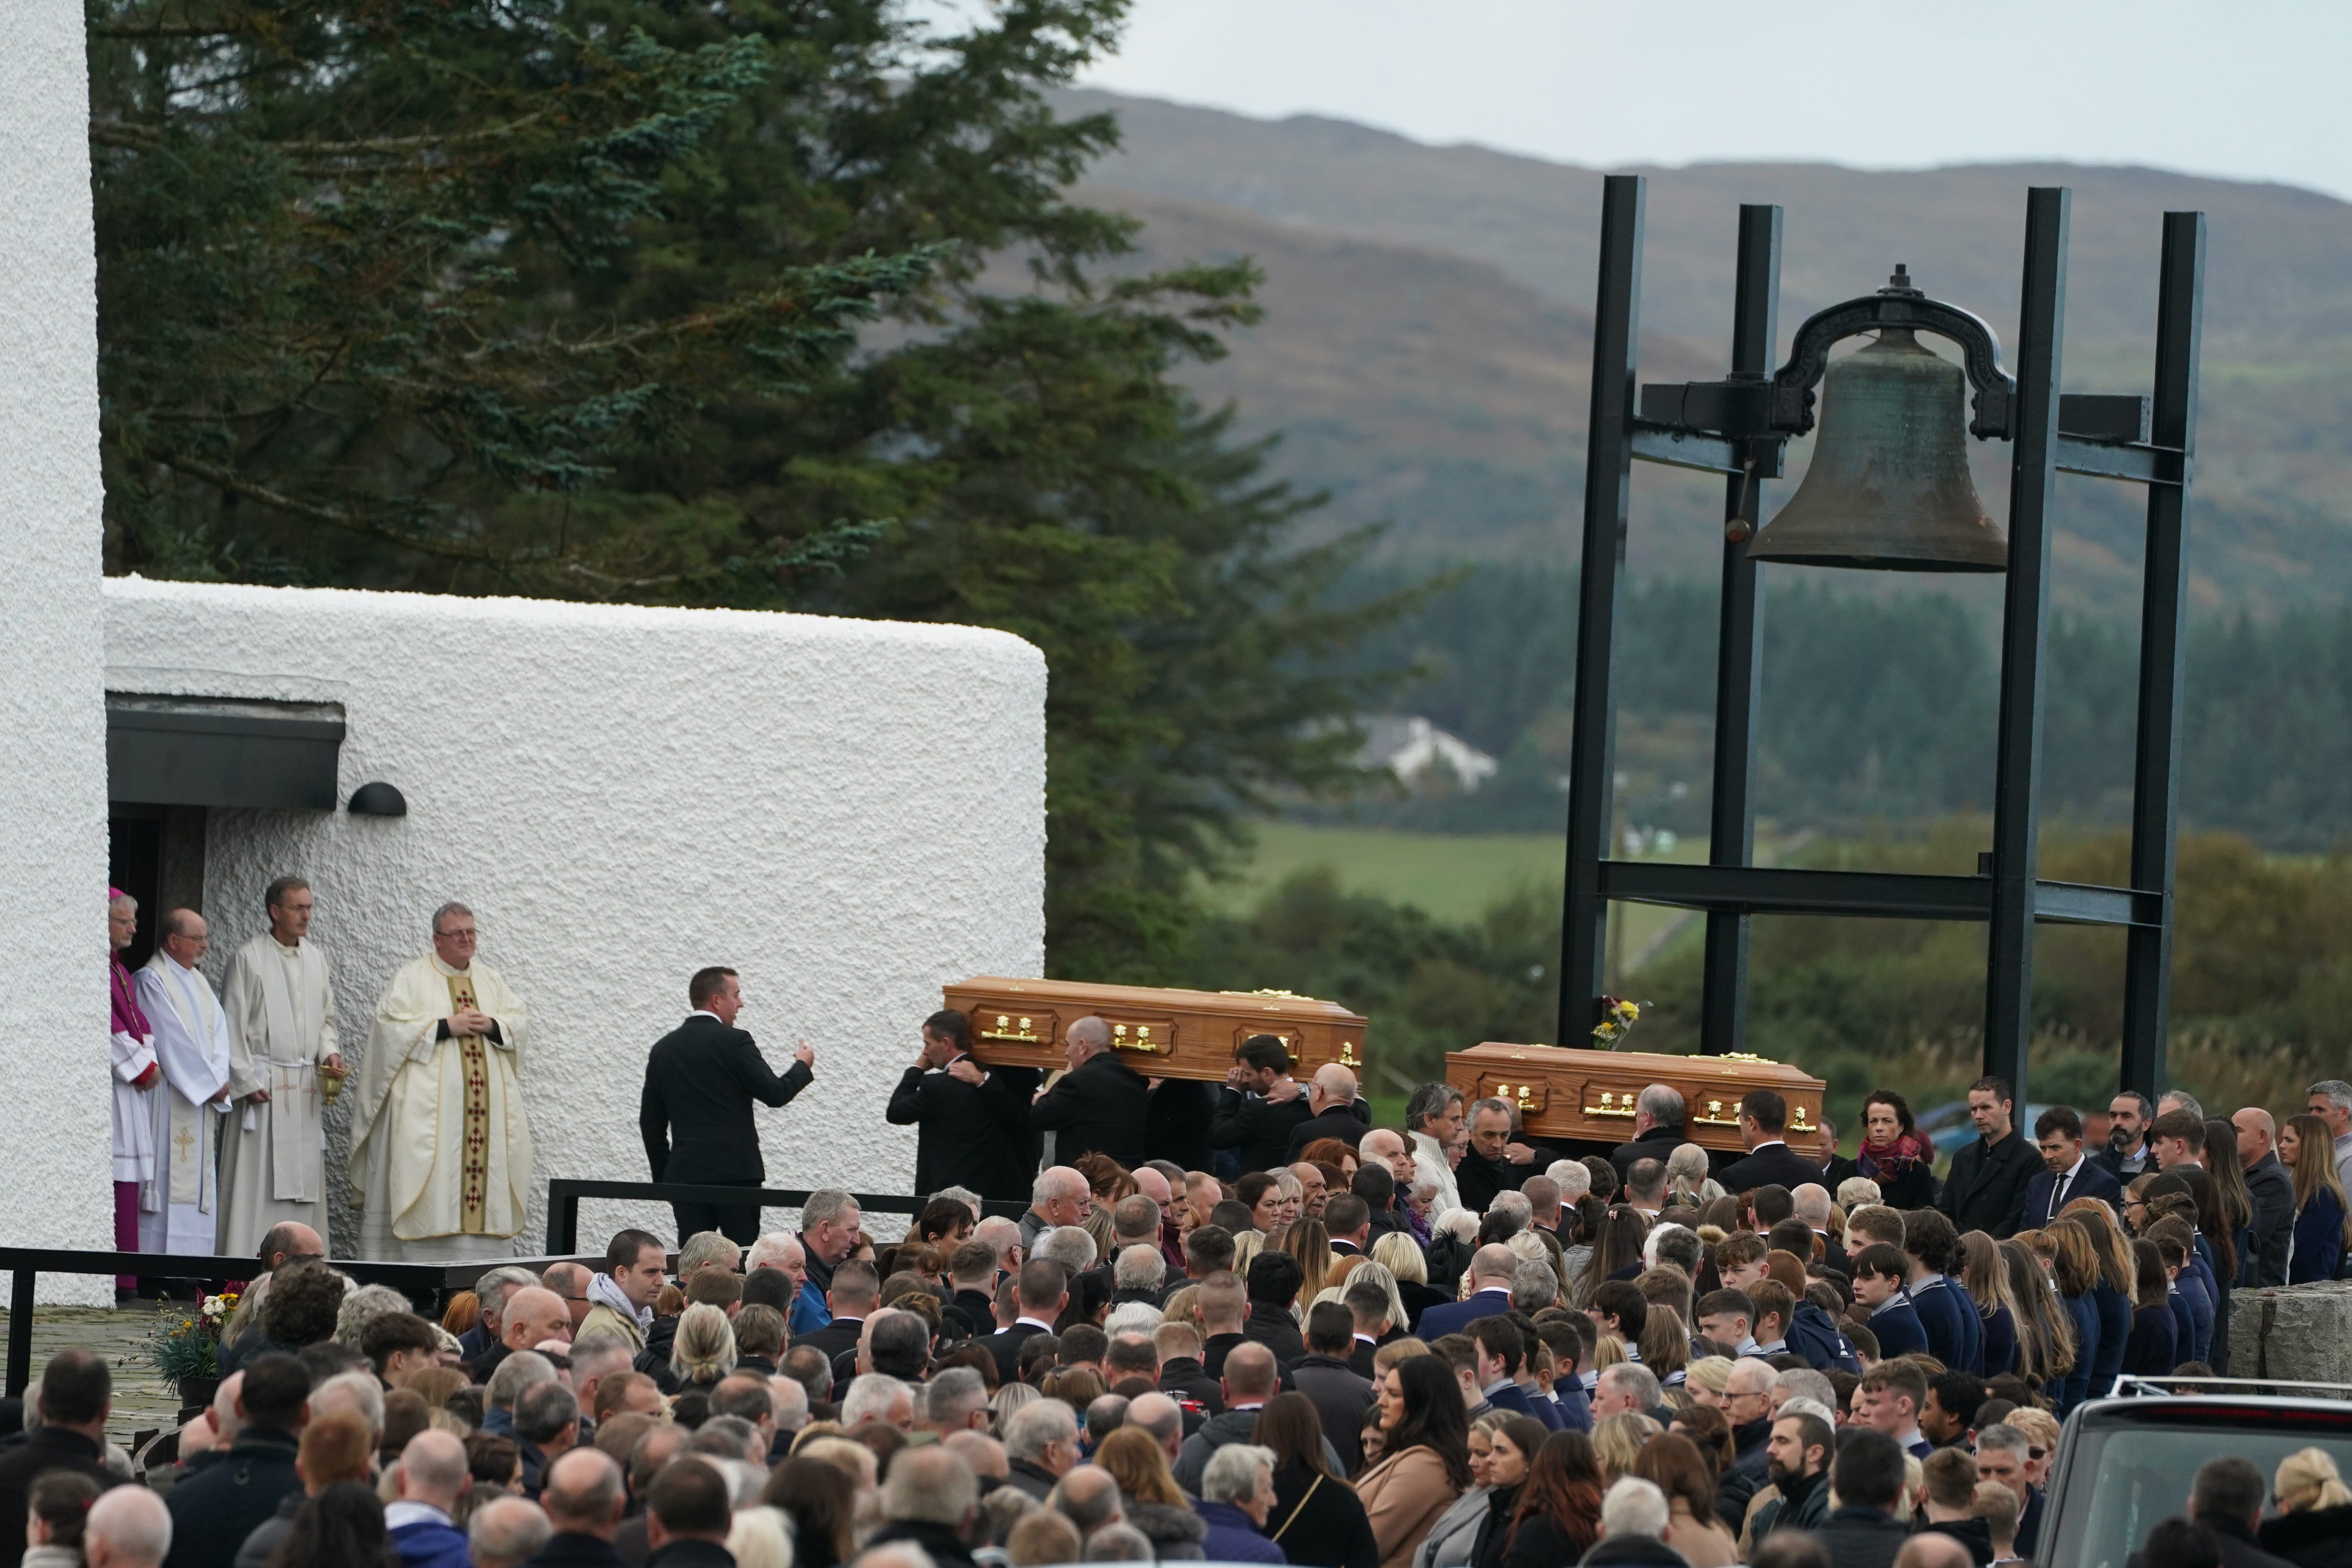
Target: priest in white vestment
(440, 1142)
(282, 1032)
(192, 1045)
(136, 1108)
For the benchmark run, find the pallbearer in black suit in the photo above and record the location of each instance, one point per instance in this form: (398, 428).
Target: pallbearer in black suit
(1100, 1105)
(1763, 1121)
(973, 1122)
(701, 1081)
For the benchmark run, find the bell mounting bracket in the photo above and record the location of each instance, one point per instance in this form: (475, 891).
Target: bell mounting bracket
(1754, 407)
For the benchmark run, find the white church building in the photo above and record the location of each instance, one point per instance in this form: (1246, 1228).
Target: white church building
(850, 813)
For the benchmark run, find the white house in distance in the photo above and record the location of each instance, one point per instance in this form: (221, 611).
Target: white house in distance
(850, 813)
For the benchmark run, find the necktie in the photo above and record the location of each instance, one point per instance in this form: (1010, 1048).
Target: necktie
(2058, 1194)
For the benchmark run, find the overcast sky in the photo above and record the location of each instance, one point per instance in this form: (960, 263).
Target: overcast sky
(2252, 89)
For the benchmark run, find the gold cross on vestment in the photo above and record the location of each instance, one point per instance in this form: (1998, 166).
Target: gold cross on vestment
(183, 1138)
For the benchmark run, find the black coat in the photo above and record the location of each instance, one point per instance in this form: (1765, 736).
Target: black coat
(972, 1135)
(1478, 1179)
(1973, 1533)
(1985, 1189)
(1277, 1330)
(1347, 1123)
(2315, 1538)
(1655, 1144)
(840, 1334)
(2034, 1210)
(569, 1549)
(1006, 1346)
(1341, 1396)
(1771, 1166)
(2273, 1193)
(1100, 1107)
(944, 1546)
(695, 1112)
(214, 1510)
(1183, 1378)
(1176, 1126)
(49, 1449)
(1862, 1538)
(2236, 1541)
(1325, 1525)
(1256, 1129)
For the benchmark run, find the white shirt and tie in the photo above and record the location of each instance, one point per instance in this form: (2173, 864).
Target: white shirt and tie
(2061, 1186)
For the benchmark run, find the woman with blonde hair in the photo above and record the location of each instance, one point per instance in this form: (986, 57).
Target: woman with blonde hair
(1858, 1192)
(1986, 1279)
(2313, 1527)
(1705, 1380)
(1246, 1247)
(1408, 1271)
(1686, 1177)
(1618, 1440)
(704, 1349)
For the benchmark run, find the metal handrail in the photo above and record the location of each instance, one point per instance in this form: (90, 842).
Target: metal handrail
(564, 1192)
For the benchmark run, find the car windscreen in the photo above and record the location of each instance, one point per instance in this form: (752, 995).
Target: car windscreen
(2121, 1481)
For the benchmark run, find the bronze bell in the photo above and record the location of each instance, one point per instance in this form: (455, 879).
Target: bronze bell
(1889, 485)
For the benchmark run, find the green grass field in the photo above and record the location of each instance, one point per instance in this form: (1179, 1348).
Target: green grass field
(1454, 876)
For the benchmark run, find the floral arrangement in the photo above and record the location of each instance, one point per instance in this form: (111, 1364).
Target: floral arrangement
(184, 1345)
(1617, 1016)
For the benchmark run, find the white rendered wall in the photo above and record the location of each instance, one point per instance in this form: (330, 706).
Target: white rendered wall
(850, 813)
(53, 1051)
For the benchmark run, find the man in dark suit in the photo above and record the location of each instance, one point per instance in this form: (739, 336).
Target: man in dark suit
(68, 1431)
(1658, 1129)
(972, 1122)
(1333, 1111)
(2067, 1174)
(2274, 1196)
(1491, 1267)
(695, 1112)
(1100, 1106)
(1834, 1166)
(1043, 1291)
(1770, 1163)
(1260, 1106)
(1986, 1188)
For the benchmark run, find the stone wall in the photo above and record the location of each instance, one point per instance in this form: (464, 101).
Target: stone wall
(53, 1053)
(2299, 1332)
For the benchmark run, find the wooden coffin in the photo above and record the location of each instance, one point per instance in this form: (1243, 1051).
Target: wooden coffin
(1590, 1095)
(1160, 1034)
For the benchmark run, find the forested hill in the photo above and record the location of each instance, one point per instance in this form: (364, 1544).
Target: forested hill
(1426, 341)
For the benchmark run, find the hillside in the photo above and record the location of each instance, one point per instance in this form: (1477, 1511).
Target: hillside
(1431, 368)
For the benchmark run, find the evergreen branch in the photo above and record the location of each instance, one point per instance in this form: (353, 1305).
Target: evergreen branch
(235, 484)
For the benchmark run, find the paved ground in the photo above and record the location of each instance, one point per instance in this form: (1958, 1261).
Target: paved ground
(141, 1403)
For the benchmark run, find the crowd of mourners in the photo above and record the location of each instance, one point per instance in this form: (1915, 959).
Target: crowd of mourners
(1427, 1347)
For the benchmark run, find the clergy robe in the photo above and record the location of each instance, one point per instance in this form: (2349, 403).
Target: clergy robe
(439, 1132)
(192, 1043)
(136, 1112)
(281, 1025)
